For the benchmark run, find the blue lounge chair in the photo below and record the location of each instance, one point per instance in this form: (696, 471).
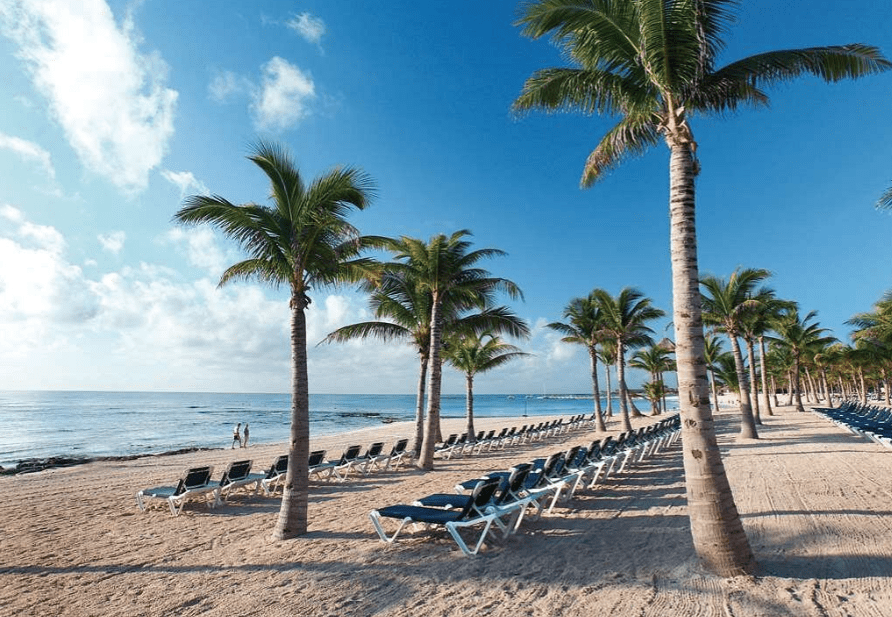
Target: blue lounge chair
(195, 482)
(237, 475)
(275, 476)
(469, 515)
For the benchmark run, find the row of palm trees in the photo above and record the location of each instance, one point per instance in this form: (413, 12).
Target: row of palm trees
(651, 62)
(434, 294)
(606, 326)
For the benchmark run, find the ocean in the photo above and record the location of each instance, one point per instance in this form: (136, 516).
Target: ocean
(97, 424)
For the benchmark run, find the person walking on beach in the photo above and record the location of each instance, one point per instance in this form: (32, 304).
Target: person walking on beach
(236, 436)
(245, 440)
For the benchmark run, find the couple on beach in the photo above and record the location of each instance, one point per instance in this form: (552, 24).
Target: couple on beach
(237, 437)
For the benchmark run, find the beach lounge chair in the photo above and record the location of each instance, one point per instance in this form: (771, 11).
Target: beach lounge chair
(396, 456)
(319, 467)
(510, 500)
(349, 458)
(237, 475)
(453, 520)
(275, 475)
(195, 482)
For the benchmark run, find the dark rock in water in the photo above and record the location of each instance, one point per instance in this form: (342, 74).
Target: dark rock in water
(39, 464)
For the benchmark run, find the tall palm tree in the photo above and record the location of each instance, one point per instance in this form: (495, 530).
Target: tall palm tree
(799, 335)
(471, 354)
(653, 62)
(624, 319)
(403, 312)
(583, 327)
(726, 304)
(303, 241)
(447, 269)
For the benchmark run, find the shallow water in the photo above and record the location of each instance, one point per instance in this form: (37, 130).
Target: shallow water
(90, 424)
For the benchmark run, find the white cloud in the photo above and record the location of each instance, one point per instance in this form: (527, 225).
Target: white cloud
(186, 182)
(113, 242)
(29, 151)
(226, 84)
(309, 27)
(109, 98)
(202, 249)
(283, 97)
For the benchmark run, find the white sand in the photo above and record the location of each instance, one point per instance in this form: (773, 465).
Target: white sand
(815, 501)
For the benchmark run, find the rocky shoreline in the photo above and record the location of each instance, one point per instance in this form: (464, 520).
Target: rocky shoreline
(32, 465)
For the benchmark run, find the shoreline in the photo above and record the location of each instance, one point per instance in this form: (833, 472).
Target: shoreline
(813, 500)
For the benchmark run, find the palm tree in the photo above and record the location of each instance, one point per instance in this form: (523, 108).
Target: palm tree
(655, 360)
(712, 349)
(653, 63)
(583, 327)
(875, 331)
(798, 336)
(725, 306)
(446, 268)
(471, 354)
(654, 391)
(607, 354)
(303, 241)
(407, 309)
(725, 372)
(623, 319)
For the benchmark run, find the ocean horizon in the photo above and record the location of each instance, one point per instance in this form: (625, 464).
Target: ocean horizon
(94, 424)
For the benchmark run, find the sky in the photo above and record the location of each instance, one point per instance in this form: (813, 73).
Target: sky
(112, 112)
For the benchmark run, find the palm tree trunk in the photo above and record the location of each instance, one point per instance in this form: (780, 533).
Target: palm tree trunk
(469, 390)
(747, 422)
(754, 388)
(621, 382)
(633, 409)
(432, 421)
(790, 387)
(609, 391)
(886, 388)
(419, 405)
(811, 391)
(774, 390)
(826, 386)
(764, 375)
(715, 390)
(292, 519)
(596, 391)
(796, 384)
(863, 385)
(718, 535)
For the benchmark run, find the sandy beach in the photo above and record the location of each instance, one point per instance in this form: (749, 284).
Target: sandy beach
(815, 502)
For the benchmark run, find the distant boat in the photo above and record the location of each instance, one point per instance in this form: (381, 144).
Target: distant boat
(510, 397)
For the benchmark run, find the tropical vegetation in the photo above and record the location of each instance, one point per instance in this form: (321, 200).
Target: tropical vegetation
(301, 241)
(654, 63)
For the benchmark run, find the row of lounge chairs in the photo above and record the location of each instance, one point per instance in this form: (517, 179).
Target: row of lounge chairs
(373, 459)
(460, 445)
(502, 498)
(871, 422)
(196, 483)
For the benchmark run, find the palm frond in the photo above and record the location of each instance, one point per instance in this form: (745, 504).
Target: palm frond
(631, 136)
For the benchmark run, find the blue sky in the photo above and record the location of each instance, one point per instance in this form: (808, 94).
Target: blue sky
(112, 112)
